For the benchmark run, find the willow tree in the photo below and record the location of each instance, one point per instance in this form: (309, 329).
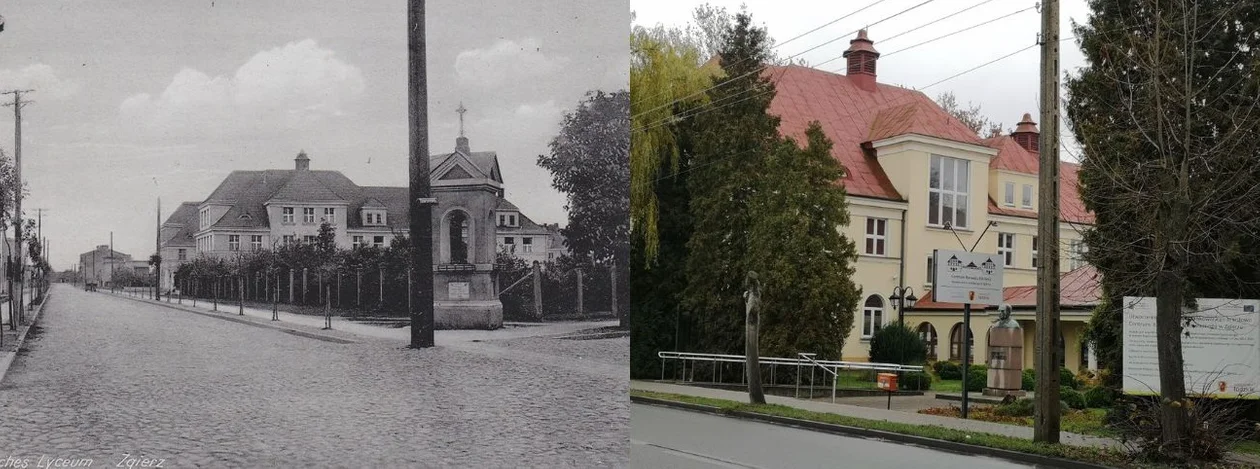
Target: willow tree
(1166, 109)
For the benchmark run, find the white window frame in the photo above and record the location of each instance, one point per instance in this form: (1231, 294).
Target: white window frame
(287, 215)
(1076, 256)
(310, 239)
(256, 242)
(512, 220)
(182, 254)
(308, 215)
(288, 239)
(1027, 200)
(234, 242)
(356, 241)
(876, 237)
(1009, 199)
(527, 244)
(1006, 248)
(378, 241)
(872, 317)
(949, 190)
(1034, 252)
(330, 215)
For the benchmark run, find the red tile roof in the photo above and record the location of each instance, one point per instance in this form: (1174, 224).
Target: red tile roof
(852, 117)
(1078, 289)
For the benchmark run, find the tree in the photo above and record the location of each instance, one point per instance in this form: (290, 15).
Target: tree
(970, 116)
(1166, 110)
(589, 162)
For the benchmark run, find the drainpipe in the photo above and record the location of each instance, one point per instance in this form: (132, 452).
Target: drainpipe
(901, 276)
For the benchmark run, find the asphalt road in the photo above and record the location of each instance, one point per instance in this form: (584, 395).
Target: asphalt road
(108, 378)
(670, 438)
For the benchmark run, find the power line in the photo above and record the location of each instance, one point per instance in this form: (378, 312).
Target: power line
(938, 20)
(959, 31)
(789, 58)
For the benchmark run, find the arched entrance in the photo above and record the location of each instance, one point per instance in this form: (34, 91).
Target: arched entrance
(928, 334)
(955, 342)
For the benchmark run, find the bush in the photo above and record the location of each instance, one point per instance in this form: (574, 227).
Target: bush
(896, 343)
(1028, 381)
(914, 381)
(1068, 379)
(981, 367)
(949, 370)
(977, 379)
(1022, 407)
(1100, 397)
(1071, 397)
(1215, 426)
(936, 367)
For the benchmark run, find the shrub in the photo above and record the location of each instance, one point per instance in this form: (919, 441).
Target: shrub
(949, 370)
(977, 379)
(896, 343)
(936, 367)
(1100, 397)
(1067, 378)
(914, 381)
(983, 368)
(1215, 426)
(1028, 381)
(1071, 397)
(1022, 407)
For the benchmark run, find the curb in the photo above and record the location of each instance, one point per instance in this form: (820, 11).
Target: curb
(10, 357)
(237, 319)
(953, 447)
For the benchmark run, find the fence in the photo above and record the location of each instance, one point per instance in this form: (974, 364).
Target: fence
(717, 362)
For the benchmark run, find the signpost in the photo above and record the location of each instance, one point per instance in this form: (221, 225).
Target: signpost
(966, 277)
(1221, 348)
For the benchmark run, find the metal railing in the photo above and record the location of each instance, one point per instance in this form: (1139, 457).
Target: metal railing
(832, 367)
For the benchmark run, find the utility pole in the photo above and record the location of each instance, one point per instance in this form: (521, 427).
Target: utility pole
(157, 250)
(18, 104)
(420, 202)
(1046, 414)
(111, 261)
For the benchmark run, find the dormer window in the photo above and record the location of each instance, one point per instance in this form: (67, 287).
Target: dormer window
(205, 218)
(508, 219)
(373, 218)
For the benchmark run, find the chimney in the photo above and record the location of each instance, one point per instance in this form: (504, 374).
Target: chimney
(302, 163)
(1026, 134)
(862, 56)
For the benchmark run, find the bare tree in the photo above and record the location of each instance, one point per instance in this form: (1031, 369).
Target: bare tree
(970, 116)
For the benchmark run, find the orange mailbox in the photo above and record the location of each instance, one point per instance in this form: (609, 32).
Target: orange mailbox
(886, 381)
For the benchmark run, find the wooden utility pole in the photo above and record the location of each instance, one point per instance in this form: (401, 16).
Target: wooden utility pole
(1046, 415)
(18, 104)
(538, 291)
(157, 250)
(420, 200)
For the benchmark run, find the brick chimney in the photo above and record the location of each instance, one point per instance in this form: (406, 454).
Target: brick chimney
(302, 163)
(862, 57)
(1026, 134)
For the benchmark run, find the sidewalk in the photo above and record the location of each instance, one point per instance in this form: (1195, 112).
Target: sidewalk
(897, 416)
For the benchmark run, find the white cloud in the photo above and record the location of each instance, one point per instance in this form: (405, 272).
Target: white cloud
(292, 86)
(506, 61)
(41, 78)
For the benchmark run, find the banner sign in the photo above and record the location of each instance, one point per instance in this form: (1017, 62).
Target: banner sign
(966, 277)
(1221, 348)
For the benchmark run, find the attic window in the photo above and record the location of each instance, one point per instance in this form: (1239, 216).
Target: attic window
(246, 216)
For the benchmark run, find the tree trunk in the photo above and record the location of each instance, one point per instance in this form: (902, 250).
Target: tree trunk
(755, 394)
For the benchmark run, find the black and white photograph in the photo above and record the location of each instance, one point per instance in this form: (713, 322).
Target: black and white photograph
(314, 233)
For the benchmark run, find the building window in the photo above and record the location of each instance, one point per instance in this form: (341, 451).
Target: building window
(1010, 194)
(930, 272)
(286, 215)
(955, 342)
(183, 254)
(308, 215)
(876, 236)
(1034, 252)
(255, 242)
(1027, 200)
(234, 242)
(527, 244)
(948, 192)
(502, 220)
(872, 315)
(378, 241)
(927, 334)
(374, 218)
(310, 239)
(1076, 254)
(287, 239)
(512, 220)
(356, 241)
(205, 218)
(1006, 248)
(457, 237)
(330, 215)
(510, 243)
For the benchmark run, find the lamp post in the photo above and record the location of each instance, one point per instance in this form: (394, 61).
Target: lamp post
(903, 299)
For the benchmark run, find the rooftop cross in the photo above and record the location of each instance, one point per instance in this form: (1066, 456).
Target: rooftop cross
(461, 112)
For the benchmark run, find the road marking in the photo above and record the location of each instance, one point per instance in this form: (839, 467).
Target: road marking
(693, 456)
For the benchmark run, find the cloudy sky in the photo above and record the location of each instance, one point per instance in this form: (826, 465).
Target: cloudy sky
(141, 99)
(1004, 90)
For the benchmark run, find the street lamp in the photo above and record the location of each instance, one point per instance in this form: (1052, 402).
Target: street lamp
(903, 300)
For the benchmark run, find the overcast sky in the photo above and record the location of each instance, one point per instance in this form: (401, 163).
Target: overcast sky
(1004, 90)
(140, 99)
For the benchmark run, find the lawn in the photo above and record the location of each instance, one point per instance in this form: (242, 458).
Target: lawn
(1105, 456)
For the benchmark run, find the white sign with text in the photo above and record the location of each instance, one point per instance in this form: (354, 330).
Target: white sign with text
(1220, 346)
(967, 277)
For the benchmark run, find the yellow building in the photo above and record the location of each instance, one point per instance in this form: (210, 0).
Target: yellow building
(911, 169)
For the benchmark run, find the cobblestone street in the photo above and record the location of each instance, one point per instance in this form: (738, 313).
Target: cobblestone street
(105, 377)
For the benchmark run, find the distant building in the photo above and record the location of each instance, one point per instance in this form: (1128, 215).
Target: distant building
(253, 210)
(100, 265)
